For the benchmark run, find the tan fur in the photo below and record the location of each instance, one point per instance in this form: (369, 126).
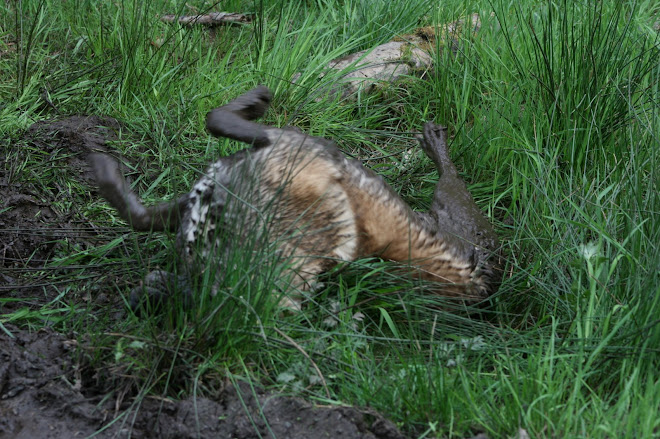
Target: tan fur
(316, 207)
(346, 212)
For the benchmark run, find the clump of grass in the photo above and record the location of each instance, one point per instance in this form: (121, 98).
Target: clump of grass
(589, 67)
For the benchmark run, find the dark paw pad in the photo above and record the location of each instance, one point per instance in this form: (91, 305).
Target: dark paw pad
(434, 140)
(251, 105)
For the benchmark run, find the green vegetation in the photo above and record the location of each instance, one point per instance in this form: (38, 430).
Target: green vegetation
(553, 112)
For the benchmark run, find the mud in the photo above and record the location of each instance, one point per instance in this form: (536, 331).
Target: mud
(47, 387)
(31, 227)
(43, 395)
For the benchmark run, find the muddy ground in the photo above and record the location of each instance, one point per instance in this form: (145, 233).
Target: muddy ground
(42, 395)
(45, 389)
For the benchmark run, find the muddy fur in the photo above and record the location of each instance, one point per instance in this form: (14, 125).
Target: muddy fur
(316, 207)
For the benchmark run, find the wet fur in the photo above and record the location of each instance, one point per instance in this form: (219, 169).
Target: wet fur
(320, 208)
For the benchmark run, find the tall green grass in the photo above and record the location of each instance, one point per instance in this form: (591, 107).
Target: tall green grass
(552, 109)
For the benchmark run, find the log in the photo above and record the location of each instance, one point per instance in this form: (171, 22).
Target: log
(406, 55)
(210, 19)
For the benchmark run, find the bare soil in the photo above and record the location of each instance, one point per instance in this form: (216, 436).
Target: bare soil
(46, 390)
(33, 228)
(42, 395)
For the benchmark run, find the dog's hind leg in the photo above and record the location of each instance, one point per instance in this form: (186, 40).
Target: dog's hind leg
(233, 120)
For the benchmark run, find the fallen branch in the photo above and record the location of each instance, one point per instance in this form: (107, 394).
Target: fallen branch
(210, 19)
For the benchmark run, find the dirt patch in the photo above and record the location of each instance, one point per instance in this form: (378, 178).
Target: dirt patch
(43, 178)
(27, 239)
(42, 396)
(76, 136)
(31, 226)
(46, 390)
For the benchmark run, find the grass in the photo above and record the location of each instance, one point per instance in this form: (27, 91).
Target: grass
(554, 119)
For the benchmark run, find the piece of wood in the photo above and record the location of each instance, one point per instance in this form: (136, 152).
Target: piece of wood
(210, 19)
(405, 56)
